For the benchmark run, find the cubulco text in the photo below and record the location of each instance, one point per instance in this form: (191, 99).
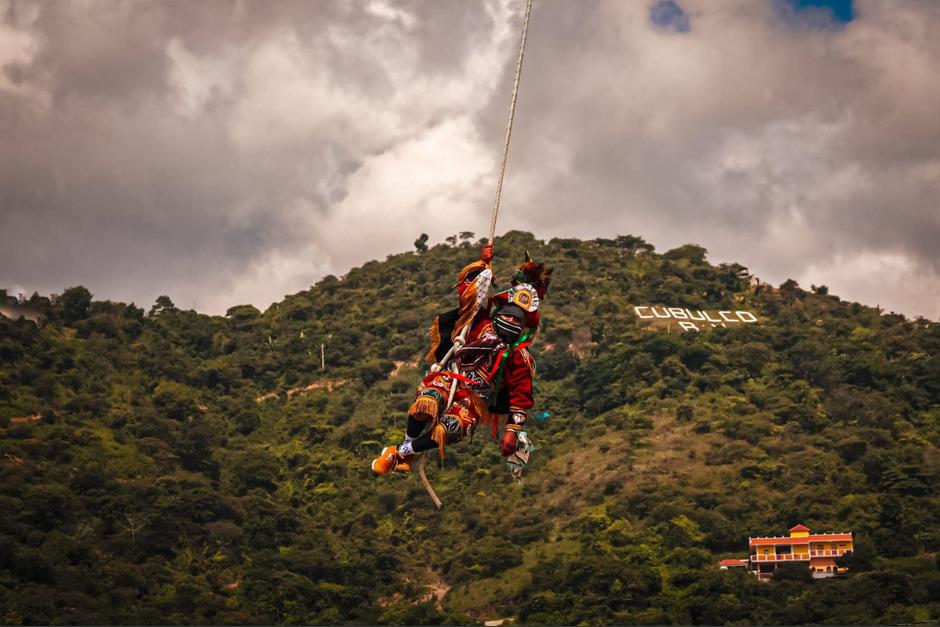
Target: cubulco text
(694, 320)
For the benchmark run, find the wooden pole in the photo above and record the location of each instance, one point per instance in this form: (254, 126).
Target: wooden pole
(322, 356)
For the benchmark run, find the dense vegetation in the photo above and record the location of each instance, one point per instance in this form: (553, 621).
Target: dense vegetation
(171, 467)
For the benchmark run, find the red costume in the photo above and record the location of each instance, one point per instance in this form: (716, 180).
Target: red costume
(486, 370)
(480, 365)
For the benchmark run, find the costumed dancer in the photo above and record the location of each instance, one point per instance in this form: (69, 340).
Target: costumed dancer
(493, 370)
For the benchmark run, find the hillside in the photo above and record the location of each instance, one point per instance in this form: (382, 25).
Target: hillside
(172, 467)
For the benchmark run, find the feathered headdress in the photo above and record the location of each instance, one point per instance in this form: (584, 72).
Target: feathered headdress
(529, 286)
(535, 274)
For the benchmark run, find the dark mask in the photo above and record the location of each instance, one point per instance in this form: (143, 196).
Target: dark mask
(507, 331)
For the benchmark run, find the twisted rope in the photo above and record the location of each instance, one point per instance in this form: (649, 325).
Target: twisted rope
(512, 114)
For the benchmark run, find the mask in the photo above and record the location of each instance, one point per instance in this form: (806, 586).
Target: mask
(507, 331)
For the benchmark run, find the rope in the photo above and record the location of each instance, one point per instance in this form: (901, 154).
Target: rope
(422, 462)
(512, 113)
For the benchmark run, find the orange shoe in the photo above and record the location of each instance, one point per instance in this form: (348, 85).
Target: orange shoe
(405, 464)
(390, 461)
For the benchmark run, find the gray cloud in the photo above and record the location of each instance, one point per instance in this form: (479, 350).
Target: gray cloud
(233, 152)
(798, 150)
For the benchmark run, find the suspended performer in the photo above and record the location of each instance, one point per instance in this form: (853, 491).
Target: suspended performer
(493, 371)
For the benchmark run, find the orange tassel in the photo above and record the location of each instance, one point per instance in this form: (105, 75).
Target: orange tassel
(439, 435)
(435, 334)
(468, 305)
(480, 408)
(424, 408)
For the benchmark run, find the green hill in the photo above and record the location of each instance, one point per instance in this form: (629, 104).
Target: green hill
(174, 467)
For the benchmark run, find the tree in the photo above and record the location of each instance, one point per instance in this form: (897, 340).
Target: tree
(421, 244)
(633, 244)
(691, 252)
(161, 305)
(793, 571)
(790, 290)
(178, 401)
(75, 302)
(733, 276)
(861, 559)
(241, 314)
(247, 420)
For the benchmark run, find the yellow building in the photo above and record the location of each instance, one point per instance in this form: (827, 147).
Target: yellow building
(818, 551)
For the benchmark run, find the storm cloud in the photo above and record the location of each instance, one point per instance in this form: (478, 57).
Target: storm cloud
(232, 152)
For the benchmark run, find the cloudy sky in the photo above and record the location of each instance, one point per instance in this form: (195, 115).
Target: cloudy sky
(234, 152)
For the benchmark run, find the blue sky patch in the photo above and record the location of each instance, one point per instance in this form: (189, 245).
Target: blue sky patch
(668, 15)
(836, 12)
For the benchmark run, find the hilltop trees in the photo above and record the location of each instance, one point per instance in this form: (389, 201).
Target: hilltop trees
(74, 303)
(163, 304)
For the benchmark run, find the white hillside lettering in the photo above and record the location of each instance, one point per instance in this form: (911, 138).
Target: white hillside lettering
(659, 316)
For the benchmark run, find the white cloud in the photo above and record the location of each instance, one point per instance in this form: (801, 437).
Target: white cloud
(389, 11)
(435, 183)
(199, 80)
(18, 48)
(289, 99)
(270, 144)
(774, 146)
(893, 281)
(266, 280)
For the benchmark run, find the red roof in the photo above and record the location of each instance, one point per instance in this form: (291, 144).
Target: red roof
(799, 528)
(820, 537)
(733, 563)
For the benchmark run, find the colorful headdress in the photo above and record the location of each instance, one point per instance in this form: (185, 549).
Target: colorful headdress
(535, 274)
(529, 286)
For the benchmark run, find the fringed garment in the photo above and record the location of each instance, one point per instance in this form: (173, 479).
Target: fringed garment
(484, 367)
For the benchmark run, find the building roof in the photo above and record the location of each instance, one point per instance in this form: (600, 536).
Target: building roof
(819, 537)
(799, 528)
(733, 563)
